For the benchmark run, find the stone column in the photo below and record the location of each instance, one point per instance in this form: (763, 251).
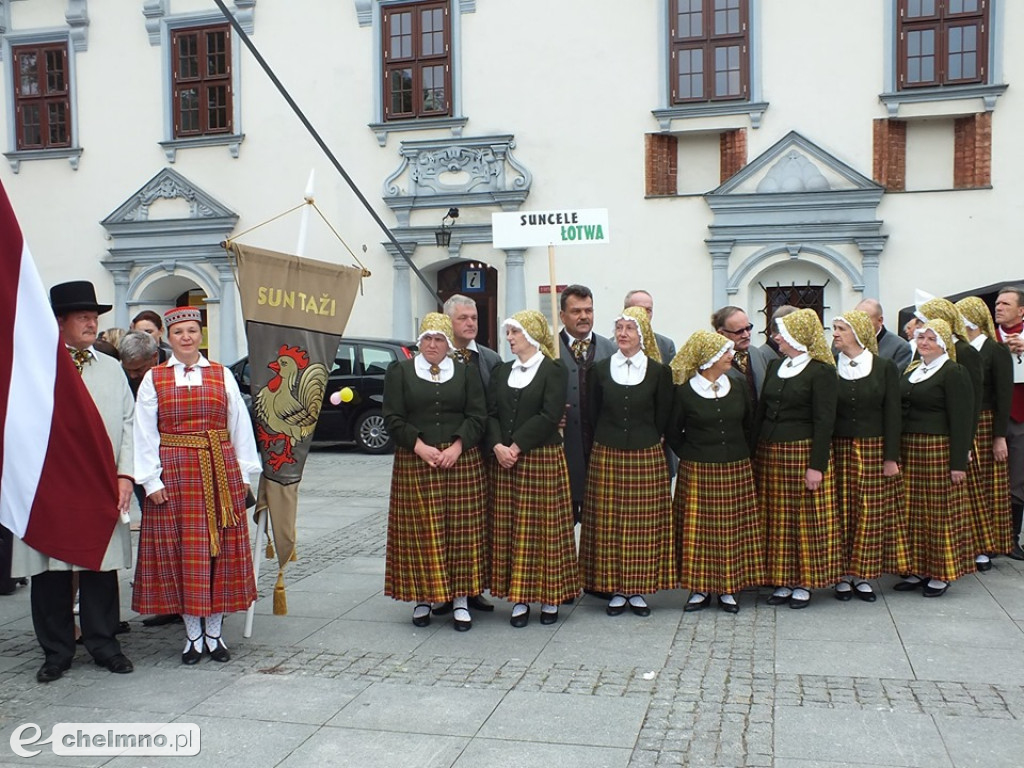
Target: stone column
(122, 318)
(720, 252)
(401, 298)
(871, 251)
(228, 352)
(515, 280)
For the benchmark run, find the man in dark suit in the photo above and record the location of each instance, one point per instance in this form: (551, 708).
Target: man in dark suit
(749, 362)
(580, 348)
(890, 345)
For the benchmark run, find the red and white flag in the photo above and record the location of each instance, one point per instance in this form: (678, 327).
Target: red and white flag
(58, 482)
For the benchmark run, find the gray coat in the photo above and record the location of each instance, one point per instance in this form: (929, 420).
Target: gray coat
(576, 453)
(894, 347)
(487, 361)
(666, 347)
(106, 382)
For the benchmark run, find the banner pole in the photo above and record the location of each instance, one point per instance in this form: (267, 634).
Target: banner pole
(261, 528)
(554, 298)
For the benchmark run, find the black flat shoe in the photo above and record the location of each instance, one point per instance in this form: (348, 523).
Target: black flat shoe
(867, 595)
(844, 594)
(934, 591)
(220, 651)
(520, 620)
(480, 603)
(697, 605)
(50, 672)
(122, 628)
(194, 652)
(1016, 553)
(640, 610)
(908, 586)
(983, 565)
(797, 603)
(462, 625)
(118, 664)
(616, 610)
(421, 621)
(728, 607)
(779, 599)
(548, 617)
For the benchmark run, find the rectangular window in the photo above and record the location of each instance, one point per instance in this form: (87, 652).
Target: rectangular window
(42, 100)
(942, 42)
(709, 41)
(417, 64)
(201, 72)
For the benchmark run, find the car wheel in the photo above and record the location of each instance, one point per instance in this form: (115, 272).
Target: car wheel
(371, 434)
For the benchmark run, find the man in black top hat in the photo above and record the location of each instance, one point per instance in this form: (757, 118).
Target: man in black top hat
(52, 597)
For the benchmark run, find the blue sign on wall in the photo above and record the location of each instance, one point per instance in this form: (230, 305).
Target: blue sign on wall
(473, 281)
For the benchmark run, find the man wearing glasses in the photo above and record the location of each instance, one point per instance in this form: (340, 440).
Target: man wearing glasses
(749, 362)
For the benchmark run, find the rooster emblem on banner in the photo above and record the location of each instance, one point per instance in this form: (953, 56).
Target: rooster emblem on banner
(288, 407)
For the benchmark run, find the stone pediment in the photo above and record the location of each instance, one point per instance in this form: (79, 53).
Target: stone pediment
(176, 195)
(795, 165)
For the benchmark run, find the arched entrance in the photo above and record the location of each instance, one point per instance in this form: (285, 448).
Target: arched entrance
(479, 282)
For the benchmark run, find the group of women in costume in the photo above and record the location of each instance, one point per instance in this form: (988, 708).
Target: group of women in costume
(843, 469)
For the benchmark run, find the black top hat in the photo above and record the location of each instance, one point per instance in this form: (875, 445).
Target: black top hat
(75, 296)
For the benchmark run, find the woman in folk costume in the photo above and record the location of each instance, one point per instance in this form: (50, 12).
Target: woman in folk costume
(719, 533)
(865, 454)
(436, 411)
(194, 453)
(626, 536)
(987, 480)
(795, 415)
(937, 427)
(533, 547)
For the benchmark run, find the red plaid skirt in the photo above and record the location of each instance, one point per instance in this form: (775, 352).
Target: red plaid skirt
(872, 523)
(626, 533)
(938, 513)
(988, 488)
(436, 546)
(719, 533)
(803, 532)
(533, 546)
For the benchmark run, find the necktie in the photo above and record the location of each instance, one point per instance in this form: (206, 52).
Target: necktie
(580, 348)
(742, 360)
(435, 372)
(81, 357)
(463, 355)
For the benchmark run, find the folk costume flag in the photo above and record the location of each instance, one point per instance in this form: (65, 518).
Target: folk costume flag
(296, 310)
(58, 482)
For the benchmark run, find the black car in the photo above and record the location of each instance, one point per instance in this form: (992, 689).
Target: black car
(359, 365)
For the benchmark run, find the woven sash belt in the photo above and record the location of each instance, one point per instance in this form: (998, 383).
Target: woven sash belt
(210, 445)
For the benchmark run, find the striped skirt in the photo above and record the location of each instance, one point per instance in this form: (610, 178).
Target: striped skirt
(436, 547)
(802, 528)
(626, 534)
(988, 487)
(533, 545)
(719, 533)
(174, 572)
(872, 523)
(938, 513)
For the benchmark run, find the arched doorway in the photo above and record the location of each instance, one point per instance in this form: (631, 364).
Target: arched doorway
(479, 282)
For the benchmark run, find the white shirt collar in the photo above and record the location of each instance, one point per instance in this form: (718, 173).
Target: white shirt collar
(923, 371)
(423, 366)
(571, 338)
(533, 362)
(706, 388)
(978, 341)
(173, 361)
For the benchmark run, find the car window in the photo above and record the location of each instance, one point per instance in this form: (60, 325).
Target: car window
(376, 360)
(345, 360)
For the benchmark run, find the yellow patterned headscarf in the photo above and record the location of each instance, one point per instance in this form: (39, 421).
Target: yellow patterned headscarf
(805, 327)
(974, 309)
(943, 309)
(945, 337)
(535, 327)
(648, 343)
(862, 326)
(437, 323)
(699, 352)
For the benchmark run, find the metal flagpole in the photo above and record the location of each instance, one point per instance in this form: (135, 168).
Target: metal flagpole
(323, 145)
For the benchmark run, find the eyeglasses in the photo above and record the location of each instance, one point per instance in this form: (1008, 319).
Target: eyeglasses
(739, 331)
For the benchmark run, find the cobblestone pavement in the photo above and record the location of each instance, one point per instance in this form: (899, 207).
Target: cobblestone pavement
(902, 682)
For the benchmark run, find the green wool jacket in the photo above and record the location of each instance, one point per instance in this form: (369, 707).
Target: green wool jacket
(871, 407)
(436, 413)
(529, 416)
(629, 417)
(997, 366)
(941, 405)
(800, 408)
(711, 431)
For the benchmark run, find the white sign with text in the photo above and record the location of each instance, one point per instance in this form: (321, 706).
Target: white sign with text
(554, 227)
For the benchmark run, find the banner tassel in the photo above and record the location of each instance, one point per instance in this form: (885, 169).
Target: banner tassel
(280, 600)
(270, 549)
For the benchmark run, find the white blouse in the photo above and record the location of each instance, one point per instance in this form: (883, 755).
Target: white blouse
(707, 390)
(923, 372)
(523, 373)
(148, 470)
(794, 366)
(629, 370)
(854, 368)
(422, 368)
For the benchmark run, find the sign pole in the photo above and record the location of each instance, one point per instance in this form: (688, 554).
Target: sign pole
(554, 299)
